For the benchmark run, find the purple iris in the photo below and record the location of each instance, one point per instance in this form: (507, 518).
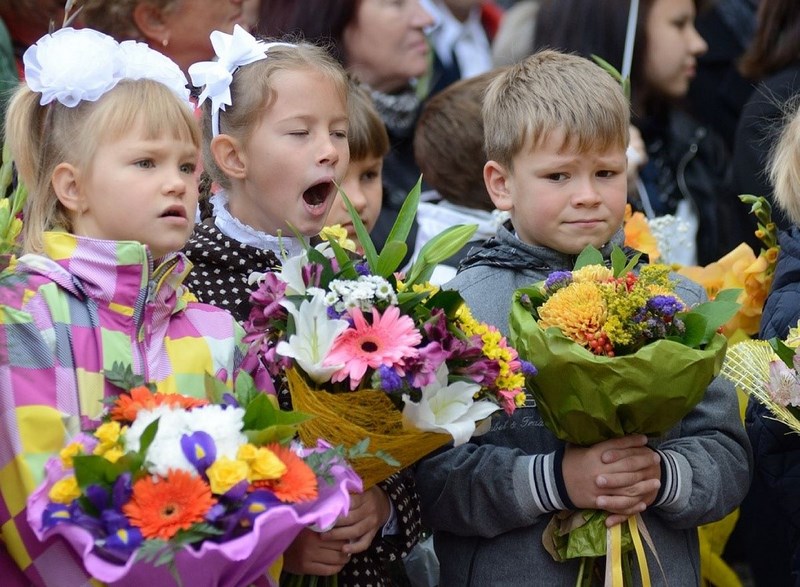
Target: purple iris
(256, 504)
(114, 521)
(199, 449)
(98, 496)
(125, 539)
(122, 490)
(56, 513)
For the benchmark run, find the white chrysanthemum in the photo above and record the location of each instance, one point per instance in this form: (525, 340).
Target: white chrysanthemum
(142, 62)
(224, 425)
(73, 65)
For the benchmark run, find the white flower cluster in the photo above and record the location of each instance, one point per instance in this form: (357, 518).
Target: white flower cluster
(71, 66)
(224, 425)
(363, 293)
(672, 235)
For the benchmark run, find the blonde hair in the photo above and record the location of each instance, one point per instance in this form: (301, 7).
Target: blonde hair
(252, 94)
(42, 137)
(116, 18)
(366, 134)
(784, 166)
(552, 91)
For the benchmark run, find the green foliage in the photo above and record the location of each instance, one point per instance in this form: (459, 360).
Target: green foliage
(123, 377)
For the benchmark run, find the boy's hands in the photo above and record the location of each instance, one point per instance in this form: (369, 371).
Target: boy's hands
(621, 476)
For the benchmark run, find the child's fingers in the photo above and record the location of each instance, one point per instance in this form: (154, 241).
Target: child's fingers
(615, 455)
(621, 504)
(625, 483)
(614, 519)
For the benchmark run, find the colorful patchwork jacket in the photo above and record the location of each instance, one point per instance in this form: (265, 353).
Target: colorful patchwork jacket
(65, 318)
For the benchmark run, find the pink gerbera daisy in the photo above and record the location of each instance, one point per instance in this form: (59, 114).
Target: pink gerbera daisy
(389, 340)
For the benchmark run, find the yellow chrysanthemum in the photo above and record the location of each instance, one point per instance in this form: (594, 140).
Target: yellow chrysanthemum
(596, 273)
(578, 310)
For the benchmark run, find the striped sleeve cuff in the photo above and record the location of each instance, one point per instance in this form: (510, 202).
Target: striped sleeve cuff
(546, 483)
(670, 491)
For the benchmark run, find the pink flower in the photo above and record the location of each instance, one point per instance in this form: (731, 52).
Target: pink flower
(389, 340)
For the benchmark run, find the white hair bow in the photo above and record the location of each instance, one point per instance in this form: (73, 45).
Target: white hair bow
(233, 51)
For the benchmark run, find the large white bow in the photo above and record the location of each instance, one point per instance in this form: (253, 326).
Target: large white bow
(233, 51)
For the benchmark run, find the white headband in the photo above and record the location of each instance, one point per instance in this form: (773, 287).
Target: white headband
(233, 51)
(72, 65)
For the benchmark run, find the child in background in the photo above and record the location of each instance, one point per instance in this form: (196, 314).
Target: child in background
(459, 196)
(369, 144)
(556, 131)
(278, 150)
(107, 148)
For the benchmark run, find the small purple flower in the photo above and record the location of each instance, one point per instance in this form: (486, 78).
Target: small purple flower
(229, 400)
(256, 504)
(388, 379)
(113, 521)
(57, 513)
(238, 491)
(98, 496)
(362, 269)
(122, 490)
(556, 280)
(528, 369)
(199, 449)
(663, 305)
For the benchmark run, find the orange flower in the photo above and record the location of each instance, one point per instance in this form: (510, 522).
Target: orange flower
(128, 405)
(299, 483)
(638, 234)
(163, 506)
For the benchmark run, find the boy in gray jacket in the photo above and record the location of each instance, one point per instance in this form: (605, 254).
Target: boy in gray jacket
(556, 130)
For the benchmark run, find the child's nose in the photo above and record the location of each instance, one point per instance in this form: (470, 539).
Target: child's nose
(175, 184)
(328, 152)
(586, 193)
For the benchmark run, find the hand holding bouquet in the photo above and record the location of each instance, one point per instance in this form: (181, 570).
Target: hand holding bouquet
(390, 357)
(603, 338)
(212, 491)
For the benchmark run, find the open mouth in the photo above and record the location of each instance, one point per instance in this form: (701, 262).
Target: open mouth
(317, 194)
(174, 212)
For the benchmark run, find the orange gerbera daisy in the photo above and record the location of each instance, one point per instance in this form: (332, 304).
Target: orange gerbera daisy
(299, 483)
(128, 404)
(161, 507)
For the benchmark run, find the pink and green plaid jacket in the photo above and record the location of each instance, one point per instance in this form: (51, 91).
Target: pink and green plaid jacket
(65, 318)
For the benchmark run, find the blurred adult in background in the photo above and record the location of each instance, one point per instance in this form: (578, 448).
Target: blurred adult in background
(461, 39)
(773, 62)
(382, 43)
(179, 29)
(719, 91)
(686, 162)
(28, 20)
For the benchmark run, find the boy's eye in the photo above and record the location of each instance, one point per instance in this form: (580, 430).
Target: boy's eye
(559, 176)
(188, 168)
(298, 133)
(369, 176)
(606, 173)
(145, 163)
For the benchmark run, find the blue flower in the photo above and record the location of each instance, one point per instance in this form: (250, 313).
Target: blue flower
(199, 449)
(126, 539)
(256, 504)
(122, 490)
(528, 368)
(56, 513)
(556, 280)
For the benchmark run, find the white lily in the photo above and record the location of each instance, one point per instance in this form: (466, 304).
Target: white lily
(313, 337)
(447, 408)
(292, 274)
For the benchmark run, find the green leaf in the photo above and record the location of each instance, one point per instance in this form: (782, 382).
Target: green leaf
(214, 389)
(263, 412)
(716, 313)
(148, 436)
(618, 261)
(405, 219)
(94, 470)
(346, 268)
(244, 389)
(728, 295)
(361, 232)
(786, 353)
(695, 333)
(589, 256)
(390, 258)
(441, 247)
(123, 377)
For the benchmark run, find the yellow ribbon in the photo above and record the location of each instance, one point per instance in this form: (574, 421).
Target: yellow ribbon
(614, 576)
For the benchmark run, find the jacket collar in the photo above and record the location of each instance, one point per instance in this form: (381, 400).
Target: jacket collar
(114, 273)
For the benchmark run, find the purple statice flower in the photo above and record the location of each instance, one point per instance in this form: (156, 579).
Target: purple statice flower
(362, 269)
(528, 369)
(556, 280)
(333, 314)
(387, 379)
(664, 305)
(655, 329)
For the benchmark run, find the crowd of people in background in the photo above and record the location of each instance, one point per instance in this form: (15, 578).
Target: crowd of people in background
(712, 85)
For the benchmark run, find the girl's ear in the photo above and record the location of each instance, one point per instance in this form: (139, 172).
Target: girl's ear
(66, 185)
(148, 18)
(498, 180)
(229, 156)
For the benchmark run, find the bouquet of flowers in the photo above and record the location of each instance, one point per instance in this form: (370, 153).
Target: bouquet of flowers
(601, 337)
(11, 203)
(375, 354)
(209, 491)
(767, 370)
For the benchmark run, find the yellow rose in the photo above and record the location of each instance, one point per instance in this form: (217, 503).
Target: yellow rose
(65, 491)
(108, 435)
(247, 453)
(266, 465)
(70, 451)
(225, 473)
(113, 454)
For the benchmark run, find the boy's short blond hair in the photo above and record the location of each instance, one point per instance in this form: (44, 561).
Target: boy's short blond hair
(551, 91)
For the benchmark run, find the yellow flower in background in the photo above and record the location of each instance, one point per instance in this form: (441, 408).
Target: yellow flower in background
(793, 340)
(65, 491)
(338, 233)
(578, 311)
(638, 234)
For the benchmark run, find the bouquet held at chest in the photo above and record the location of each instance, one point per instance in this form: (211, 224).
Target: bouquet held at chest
(377, 354)
(618, 352)
(202, 491)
